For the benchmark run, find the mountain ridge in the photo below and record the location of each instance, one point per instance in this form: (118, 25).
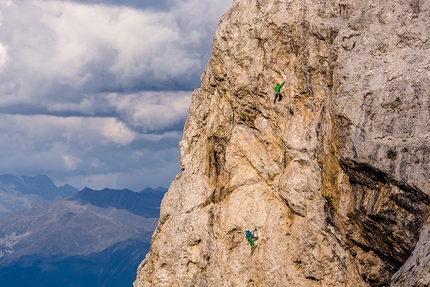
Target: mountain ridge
(96, 237)
(41, 185)
(144, 203)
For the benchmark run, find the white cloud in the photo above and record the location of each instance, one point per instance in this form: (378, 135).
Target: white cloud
(146, 111)
(3, 56)
(39, 130)
(117, 132)
(71, 162)
(152, 110)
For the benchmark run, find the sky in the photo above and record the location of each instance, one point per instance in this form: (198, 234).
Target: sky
(96, 92)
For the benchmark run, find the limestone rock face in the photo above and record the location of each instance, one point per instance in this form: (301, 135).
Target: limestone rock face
(416, 271)
(335, 176)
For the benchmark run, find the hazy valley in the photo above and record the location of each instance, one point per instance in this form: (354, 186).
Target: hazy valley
(59, 236)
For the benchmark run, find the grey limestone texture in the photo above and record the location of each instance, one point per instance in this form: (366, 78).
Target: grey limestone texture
(335, 177)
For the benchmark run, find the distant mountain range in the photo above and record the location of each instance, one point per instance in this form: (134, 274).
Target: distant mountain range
(40, 185)
(22, 192)
(65, 237)
(145, 203)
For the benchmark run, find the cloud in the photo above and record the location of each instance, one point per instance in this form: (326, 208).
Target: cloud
(142, 112)
(96, 92)
(116, 132)
(62, 50)
(137, 4)
(152, 111)
(71, 162)
(3, 56)
(77, 147)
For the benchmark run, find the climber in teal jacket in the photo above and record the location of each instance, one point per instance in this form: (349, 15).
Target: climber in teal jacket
(278, 91)
(249, 237)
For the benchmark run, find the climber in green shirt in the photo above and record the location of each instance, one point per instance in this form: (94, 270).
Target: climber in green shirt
(278, 91)
(249, 236)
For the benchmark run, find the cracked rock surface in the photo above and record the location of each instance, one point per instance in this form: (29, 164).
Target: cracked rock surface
(335, 176)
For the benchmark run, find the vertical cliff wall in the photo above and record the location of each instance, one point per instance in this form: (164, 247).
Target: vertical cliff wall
(335, 176)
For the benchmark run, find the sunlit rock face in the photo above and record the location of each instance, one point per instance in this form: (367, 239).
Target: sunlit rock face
(335, 176)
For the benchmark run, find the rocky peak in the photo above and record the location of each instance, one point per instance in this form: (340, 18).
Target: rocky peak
(334, 176)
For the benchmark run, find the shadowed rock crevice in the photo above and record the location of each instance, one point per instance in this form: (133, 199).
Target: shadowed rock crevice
(216, 175)
(386, 218)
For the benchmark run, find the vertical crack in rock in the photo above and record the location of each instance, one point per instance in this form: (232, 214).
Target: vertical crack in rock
(216, 175)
